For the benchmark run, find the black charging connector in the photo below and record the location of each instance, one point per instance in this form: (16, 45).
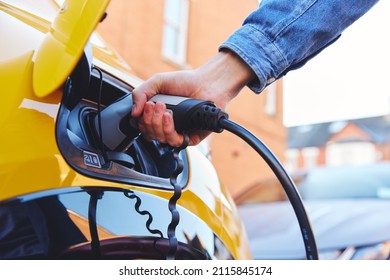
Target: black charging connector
(193, 114)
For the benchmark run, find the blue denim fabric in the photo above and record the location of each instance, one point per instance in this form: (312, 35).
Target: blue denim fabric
(282, 35)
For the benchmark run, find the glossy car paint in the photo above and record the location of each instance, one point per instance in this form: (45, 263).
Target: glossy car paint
(32, 72)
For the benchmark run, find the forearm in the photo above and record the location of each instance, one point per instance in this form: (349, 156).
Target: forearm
(222, 77)
(284, 34)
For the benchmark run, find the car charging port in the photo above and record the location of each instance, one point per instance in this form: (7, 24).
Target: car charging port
(94, 150)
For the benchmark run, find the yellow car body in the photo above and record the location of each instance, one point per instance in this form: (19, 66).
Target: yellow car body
(44, 46)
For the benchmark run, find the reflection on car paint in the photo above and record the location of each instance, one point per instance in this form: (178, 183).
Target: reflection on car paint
(56, 222)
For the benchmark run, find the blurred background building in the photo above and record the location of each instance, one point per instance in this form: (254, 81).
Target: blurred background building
(337, 143)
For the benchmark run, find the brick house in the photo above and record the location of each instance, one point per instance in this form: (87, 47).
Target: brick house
(157, 36)
(357, 141)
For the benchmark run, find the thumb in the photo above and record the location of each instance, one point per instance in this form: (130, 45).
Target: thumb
(143, 93)
(139, 101)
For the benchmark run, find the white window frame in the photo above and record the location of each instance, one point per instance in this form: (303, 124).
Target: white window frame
(350, 153)
(310, 157)
(271, 100)
(175, 52)
(291, 159)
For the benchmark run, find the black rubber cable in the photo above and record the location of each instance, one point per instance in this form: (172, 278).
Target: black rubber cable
(285, 180)
(95, 241)
(99, 102)
(175, 215)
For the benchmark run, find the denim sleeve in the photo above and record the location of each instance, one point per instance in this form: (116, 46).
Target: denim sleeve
(282, 35)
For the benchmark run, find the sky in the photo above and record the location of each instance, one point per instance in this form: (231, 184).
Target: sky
(348, 80)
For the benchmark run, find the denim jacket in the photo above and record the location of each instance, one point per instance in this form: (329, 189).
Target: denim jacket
(282, 35)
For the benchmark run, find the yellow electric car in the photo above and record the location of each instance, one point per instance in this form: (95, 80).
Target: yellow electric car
(67, 194)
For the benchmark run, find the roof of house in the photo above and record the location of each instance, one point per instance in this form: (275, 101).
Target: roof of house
(317, 135)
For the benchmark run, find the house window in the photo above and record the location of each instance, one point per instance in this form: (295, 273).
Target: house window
(350, 153)
(291, 159)
(310, 157)
(270, 100)
(174, 41)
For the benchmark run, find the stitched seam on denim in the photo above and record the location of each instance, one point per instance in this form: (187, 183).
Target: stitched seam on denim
(294, 19)
(280, 54)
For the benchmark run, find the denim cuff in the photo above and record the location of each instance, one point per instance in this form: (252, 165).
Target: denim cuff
(260, 53)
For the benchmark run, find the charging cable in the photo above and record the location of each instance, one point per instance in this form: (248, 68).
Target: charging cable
(284, 179)
(194, 114)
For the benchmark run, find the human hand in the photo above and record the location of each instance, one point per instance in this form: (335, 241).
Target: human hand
(219, 80)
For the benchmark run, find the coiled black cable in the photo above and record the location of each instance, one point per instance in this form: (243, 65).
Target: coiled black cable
(285, 180)
(175, 215)
(130, 194)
